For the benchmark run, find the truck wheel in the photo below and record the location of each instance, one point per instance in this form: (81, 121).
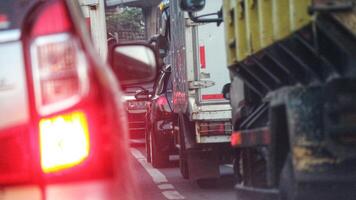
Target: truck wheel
(237, 170)
(207, 183)
(254, 168)
(183, 166)
(183, 163)
(148, 146)
(287, 184)
(159, 158)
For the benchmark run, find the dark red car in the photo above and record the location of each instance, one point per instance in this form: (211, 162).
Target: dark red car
(161, 121)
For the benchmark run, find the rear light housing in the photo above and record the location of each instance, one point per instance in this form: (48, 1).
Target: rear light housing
(61, 81)
(214, 128)
(64, 141)
(57, 59)
(164, 109)
(59, 71)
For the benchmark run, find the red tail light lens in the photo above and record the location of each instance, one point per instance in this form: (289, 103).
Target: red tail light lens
(64, 141)
(162, 103)
(214, 128)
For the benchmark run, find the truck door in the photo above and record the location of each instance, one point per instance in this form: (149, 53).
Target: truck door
(211, 57)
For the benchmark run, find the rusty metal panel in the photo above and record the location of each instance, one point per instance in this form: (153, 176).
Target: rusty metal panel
(240, 30)
(348, 20)
(252, 25)
(280, 18)
(266, 22)
(230, 40)
(298, 11)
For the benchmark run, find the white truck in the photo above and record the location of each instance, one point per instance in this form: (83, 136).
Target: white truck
(196, 54)
(94, 13)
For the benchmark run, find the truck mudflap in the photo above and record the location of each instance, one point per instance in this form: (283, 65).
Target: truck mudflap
(321, 126)
(203, 164)
(250, 138)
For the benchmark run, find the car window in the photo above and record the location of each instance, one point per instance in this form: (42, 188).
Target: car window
(160, 84)
(12, 13)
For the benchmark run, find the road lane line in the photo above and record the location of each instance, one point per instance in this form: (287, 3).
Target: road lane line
(166, 186)
(158, 177)
(172, 194)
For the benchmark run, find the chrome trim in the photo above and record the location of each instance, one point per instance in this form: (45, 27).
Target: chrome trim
(9, 35)
(81, 70)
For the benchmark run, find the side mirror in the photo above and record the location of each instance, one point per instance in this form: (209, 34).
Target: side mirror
(192, 5)
(226, 91)
(160, 43)
(133, 63)
(143, 95)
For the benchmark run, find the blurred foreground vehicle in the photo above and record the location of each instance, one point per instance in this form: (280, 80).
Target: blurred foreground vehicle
(292, 66)
(63, 128)
(161, 121)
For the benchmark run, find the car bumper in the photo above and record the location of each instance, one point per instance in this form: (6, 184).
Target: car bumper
(93, 190)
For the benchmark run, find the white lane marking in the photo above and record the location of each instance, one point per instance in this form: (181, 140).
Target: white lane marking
(157, 177)
(172, 194)
(166, 186)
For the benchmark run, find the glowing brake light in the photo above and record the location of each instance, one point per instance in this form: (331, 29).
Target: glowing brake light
(64, 141)
(214, 128)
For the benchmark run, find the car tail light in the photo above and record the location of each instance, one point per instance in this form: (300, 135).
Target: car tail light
(64, 141)
(60, 80)
(58, 62)
(214, 128)
(164, 108)
(162, 103)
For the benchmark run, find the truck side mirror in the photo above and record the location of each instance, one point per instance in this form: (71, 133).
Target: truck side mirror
(134, 63)
(226, 91)
(192, 5)
(160, 43)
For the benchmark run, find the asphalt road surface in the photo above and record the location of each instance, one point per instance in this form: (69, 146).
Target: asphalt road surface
(167, 183)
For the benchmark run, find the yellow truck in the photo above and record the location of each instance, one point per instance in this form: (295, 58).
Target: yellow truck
(292, 67)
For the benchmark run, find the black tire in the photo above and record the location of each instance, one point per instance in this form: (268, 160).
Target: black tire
(159, 159)
(183, 163)
(207, 183)
(148, 147)
(287, 185)
(183, 166)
